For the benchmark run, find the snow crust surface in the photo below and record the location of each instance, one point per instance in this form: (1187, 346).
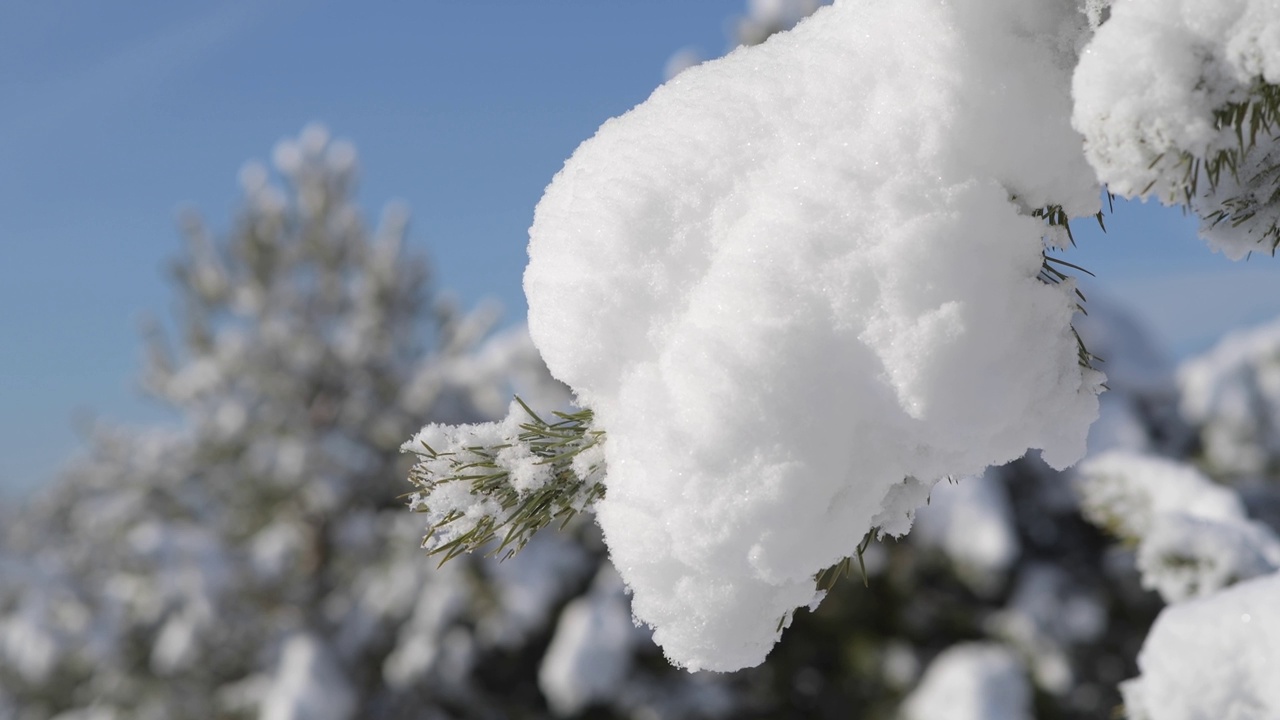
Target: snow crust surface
(802, 279)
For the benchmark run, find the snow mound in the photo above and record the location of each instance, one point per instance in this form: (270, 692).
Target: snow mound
(802, 275)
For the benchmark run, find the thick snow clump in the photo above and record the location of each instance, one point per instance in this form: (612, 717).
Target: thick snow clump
(798, 285)
(1146, 89)
(1211, 658)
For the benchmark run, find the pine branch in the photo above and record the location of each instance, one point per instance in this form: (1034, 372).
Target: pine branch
(1050, 274)
(1247, 173)
(512, 484)
(827, 579)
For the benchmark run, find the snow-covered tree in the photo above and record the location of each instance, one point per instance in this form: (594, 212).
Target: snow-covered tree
(1206, 535)
(254, 560)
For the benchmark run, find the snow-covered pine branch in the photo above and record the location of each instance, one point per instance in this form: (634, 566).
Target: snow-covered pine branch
(1193, 537)
(256, 561)
(1179, 100)
(802, 283)
(1209, 546)
(794, 299)
(499, 483)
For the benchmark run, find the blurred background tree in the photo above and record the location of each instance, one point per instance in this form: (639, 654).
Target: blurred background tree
(257, 556)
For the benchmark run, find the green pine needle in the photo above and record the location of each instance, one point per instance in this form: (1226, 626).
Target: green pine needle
(1050, 274)
(1258, 115)
(556, 443)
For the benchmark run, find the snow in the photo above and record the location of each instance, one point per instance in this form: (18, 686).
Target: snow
(1193, 535)
(1125, 491)
(1211, 658)
(309, 684)
(274, 548)
(423, 641)
(453, 456)
(28, 642)
(1232, 393)
(973, 681)
(806, 272)
(590, 653)
(456, 501)
(1146, 89)
(1184, 557)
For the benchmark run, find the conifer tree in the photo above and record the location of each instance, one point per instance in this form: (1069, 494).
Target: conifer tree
(255, 560)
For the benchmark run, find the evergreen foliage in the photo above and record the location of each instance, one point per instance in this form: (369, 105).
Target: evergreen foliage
(1252, 165)
(521, 514)
(258, 555)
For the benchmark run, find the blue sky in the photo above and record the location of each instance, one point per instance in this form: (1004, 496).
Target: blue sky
(116, 115)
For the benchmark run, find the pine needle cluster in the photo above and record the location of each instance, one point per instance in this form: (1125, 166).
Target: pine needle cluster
(1237, 185)
(497, 509)
(1052, 272)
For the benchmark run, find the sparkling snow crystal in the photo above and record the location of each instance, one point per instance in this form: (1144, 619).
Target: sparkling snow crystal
(803, 275)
